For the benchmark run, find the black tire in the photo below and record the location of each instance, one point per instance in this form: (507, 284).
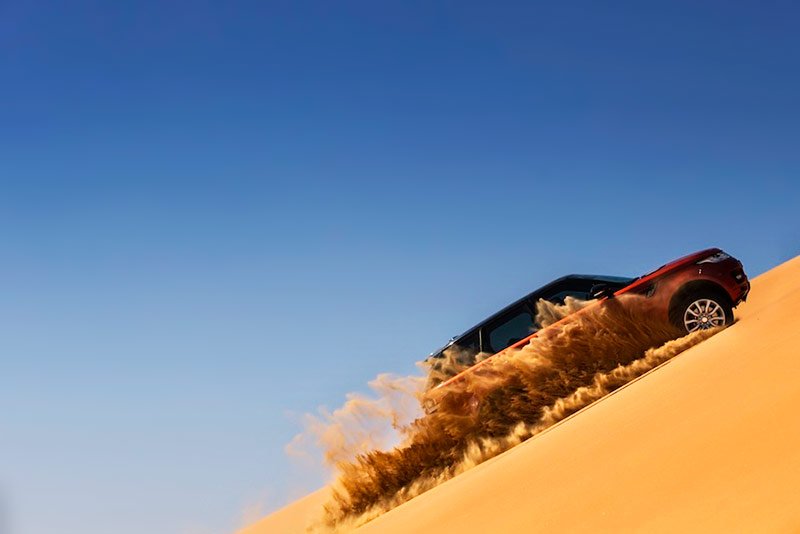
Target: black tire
(700, 310)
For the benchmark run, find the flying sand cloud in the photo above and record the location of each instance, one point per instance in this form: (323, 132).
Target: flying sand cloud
(519, 394)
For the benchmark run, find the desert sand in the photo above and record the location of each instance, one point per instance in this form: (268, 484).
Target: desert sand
(709, 441)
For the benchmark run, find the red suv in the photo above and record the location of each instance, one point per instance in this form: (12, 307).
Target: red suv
(694, 292)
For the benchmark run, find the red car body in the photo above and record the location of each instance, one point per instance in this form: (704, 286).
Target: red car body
(707, 272)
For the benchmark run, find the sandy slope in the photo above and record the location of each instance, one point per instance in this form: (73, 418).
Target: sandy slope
(291, 518)
(708, 442)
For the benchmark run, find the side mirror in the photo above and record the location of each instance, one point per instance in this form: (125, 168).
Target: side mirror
(599, 291)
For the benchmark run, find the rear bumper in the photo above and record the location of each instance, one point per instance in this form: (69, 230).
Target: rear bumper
(734, 279)
(745, 292)
(742, 283)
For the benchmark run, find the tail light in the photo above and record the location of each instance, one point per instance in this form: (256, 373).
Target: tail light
(715, 258)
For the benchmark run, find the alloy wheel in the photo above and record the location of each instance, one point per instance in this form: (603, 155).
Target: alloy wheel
(703, 314)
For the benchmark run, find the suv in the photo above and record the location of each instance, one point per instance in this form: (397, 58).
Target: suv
(695, 292)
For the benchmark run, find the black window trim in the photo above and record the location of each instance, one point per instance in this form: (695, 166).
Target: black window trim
(519, 307)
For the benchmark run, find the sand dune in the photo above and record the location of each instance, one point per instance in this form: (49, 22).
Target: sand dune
(292, 518)
(709, 441)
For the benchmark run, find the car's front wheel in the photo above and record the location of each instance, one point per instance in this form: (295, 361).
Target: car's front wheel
(701, 311)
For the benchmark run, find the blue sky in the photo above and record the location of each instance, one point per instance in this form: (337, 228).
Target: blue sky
(218, 216)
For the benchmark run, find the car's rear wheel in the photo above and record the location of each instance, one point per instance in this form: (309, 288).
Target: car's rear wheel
(701, 311)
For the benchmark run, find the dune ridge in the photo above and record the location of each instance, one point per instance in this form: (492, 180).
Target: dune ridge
(707, 442)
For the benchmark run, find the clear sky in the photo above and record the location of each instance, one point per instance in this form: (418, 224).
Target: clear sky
(217, 216)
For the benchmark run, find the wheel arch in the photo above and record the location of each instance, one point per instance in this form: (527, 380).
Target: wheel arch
(698, 287)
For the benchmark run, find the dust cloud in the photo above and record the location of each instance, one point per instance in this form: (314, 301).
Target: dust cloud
(385, 451)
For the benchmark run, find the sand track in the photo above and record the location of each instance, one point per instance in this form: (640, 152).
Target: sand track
(710, 441)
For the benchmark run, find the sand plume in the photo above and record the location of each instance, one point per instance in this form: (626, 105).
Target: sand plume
(516, 395)
(363, 423)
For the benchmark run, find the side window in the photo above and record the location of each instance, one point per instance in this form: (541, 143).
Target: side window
(556, 293)
(559, 297)
(512, 329)
(571, 287)
(469, 342)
